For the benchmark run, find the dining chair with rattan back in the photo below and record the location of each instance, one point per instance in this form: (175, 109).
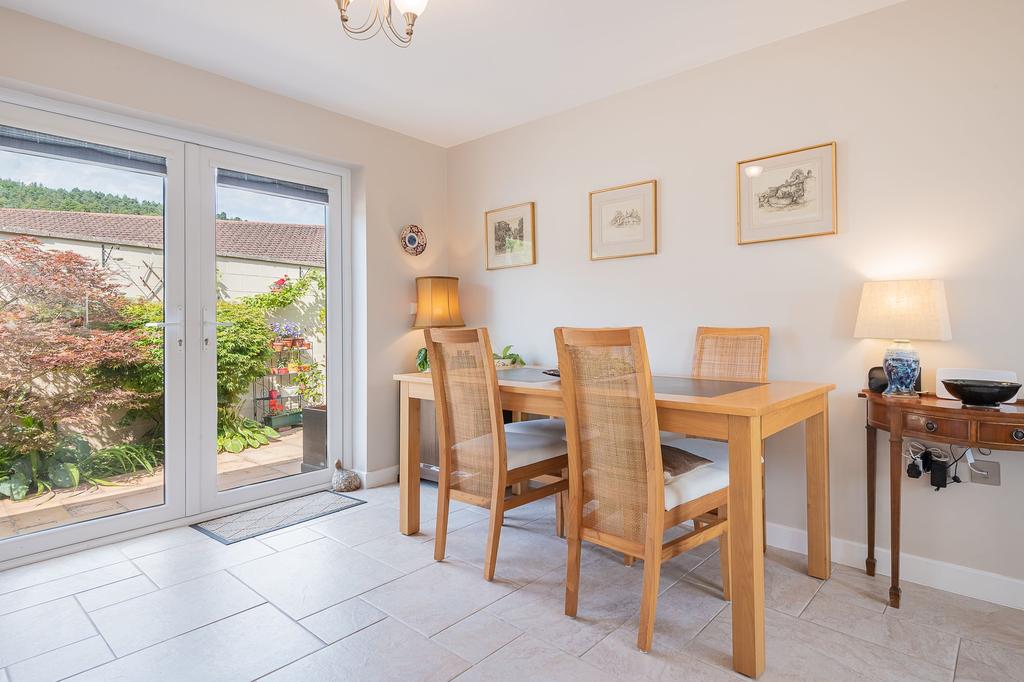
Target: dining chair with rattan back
(625, 488)
(480, 455)
(736, 353)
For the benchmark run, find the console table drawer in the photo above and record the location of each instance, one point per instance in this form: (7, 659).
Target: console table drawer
(1001, 434)
(928, 425)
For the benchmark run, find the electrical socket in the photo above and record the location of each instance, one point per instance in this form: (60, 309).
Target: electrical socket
(990, 468)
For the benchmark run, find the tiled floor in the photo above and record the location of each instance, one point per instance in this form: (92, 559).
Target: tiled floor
(347, 597)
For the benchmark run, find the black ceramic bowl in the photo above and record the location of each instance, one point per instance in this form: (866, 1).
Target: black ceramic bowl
(981, 392)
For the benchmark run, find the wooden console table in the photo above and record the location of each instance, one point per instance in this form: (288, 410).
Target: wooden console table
(934, 420)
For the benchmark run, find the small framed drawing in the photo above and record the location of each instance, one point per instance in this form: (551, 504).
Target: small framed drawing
(624, 221)
(786, 196)
(509, 235)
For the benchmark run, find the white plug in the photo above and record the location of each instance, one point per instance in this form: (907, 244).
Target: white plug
(970, 464)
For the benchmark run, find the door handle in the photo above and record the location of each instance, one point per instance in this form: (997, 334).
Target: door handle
(209, 322)
(165, 325)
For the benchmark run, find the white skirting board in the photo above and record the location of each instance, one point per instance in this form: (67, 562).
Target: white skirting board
(970, 582)
(372, 479)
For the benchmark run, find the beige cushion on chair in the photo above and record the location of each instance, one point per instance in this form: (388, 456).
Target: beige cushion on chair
(522, 446)
(533, 441)
(704, 479)
(553, 427)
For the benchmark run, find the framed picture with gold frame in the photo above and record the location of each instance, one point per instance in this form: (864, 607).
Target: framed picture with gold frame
(787, 196)
(509, 237)
(624, 221)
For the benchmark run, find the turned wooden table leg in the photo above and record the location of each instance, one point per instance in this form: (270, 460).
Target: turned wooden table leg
(895, 482)
(872, 456)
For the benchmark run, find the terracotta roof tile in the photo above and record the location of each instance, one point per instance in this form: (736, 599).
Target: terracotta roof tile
(272, 242)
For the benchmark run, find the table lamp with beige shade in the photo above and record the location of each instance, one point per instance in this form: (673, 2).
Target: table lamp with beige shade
(903, 310)
(437, 305)
(437, 302)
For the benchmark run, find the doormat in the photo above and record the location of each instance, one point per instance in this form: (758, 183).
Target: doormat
(262, 520)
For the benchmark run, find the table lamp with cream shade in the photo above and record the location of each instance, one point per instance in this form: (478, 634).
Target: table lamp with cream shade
(437, 302)
(903, 310)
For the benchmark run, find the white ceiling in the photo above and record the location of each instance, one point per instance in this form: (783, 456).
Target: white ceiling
(475, 66)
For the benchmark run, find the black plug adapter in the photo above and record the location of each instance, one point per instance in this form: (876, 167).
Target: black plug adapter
(938, 473)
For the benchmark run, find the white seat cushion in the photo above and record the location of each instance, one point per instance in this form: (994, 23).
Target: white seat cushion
(553, 427)
(523, 444)
(700, 481)
(715, 450)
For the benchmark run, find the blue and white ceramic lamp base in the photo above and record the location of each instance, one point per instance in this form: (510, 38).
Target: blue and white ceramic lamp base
(902, 367)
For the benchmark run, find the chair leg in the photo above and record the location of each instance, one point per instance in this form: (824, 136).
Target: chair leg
(572, 573)
(493, 536)
(649, 600)
(441, 527)
(561, 500)
(723, 554)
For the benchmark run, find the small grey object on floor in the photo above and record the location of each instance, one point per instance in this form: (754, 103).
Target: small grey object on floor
(248, 524)
(343, 480)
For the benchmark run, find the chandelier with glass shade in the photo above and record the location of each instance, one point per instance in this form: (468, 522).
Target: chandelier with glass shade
(380, 19)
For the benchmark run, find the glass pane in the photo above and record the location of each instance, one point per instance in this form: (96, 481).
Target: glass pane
(272, 333)
(81, 375)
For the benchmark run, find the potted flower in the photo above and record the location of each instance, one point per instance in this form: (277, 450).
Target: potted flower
(288, 335)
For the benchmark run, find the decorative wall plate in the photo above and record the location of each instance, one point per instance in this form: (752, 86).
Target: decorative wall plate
(414, 240)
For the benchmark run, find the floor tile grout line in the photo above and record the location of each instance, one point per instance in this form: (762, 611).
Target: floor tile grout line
(493, 653)
(169, 639)
(816, 591)
(63, 577)
(73, 594)
(99, 632)
(956, 659)
(878, 644)
(48, 651)
(326, 645)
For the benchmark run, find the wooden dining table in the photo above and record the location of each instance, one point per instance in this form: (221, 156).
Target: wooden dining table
(741, 413)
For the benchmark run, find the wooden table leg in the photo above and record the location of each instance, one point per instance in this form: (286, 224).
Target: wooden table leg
(819, 533)
(895, 482)
(746, 548)
(409, 464)
(872, 455)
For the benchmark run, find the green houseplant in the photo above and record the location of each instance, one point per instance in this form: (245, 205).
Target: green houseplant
(508, 359)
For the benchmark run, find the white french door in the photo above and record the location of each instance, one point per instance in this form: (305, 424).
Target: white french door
(93, 437)
(213, 332)
(275, 265)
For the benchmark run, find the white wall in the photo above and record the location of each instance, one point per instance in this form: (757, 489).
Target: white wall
(396, 180)
(924, 100)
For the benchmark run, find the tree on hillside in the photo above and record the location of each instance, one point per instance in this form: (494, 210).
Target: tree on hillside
(16, 194)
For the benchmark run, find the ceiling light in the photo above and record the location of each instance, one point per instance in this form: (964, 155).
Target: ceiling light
(379, 19)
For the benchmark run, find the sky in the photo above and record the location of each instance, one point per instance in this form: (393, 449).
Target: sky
(234, 202)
